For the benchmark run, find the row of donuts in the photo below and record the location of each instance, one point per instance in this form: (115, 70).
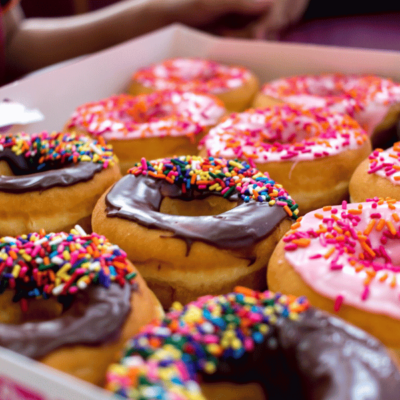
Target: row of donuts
(213, 339)
(262, 210)
(142, 351)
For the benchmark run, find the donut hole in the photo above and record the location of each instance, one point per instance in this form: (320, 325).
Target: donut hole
(5, 169)
(37, 309)
(211, 205)
(233, 391)
(142, 113)
(187, 70)
(282, 126)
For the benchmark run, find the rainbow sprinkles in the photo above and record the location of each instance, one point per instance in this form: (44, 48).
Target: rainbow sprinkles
(165, 359)
(219, 176)
(45, 150)
(40, 265)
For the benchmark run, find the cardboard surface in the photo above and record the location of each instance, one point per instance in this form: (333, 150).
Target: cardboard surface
(24, 379)
(56, 92)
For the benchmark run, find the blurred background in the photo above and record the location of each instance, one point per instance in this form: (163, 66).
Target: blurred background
(37, 33)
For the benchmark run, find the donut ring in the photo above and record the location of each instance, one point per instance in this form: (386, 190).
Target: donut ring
(51, 181)
(156, 125)
(344, 259)
(194, 226)
(70, 301)
(372, 101)
(377, 176)
(291, 143)
(235, 86)
(253, 345)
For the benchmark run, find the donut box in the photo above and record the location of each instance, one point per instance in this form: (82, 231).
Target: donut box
(56, 92)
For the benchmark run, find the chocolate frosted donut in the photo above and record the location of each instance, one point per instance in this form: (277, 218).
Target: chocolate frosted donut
(196, 225)
(254, 345)
(51, 181)
(70, 301)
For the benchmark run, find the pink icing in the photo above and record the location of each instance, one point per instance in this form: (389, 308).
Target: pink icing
(351, 254)
(386, 163)
(284, 132)
(153, 115)
(192, 74)
(366, 98)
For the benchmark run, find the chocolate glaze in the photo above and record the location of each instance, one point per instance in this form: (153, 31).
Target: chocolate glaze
(319, 357)
(28, 178)
(139, 199)
(96, 316)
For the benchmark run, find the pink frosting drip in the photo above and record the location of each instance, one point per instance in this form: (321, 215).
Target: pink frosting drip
(192, 74)
(284, 132)
(157, 114)
(351, 254)
(386, 163)
(366, 98)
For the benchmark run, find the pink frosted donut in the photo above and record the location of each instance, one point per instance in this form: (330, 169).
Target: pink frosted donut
(155, 125)
(379, 175)
(373, 101)
(235, 86)
(346, 259)
(292, 144)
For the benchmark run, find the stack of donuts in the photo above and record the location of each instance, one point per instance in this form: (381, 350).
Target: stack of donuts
(266, 220)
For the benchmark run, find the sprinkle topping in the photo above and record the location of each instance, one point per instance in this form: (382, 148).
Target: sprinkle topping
(44, 151)
(364, 97)
(192, 74)
(58, 264)
(386, 163)
(157, 114)
(217, 175)
(164, 360)
(350, 253)
(284, 132)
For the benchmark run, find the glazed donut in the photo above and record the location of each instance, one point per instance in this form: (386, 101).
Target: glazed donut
(253, 345)
(52, 181)
(70, 301)
(313, 153)
(344, 259)
(196, 226)
(161, 124)
(377, 176)
(235, 86)
(372, 101)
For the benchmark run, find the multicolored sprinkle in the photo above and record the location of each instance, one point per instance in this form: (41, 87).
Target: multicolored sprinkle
(159, 114)
(386, 163)
(219, 176)
(348, 94)
(192, 74)
(59, 264)
(283, 133)
(350, 253)
(165, 359)
(45, 150)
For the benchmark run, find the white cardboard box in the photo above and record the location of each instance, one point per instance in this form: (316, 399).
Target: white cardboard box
(57, 92)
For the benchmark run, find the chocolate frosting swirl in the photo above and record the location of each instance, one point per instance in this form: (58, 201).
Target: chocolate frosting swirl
(139, 199)
(28, 178)
(96, 316)
(319, 357)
